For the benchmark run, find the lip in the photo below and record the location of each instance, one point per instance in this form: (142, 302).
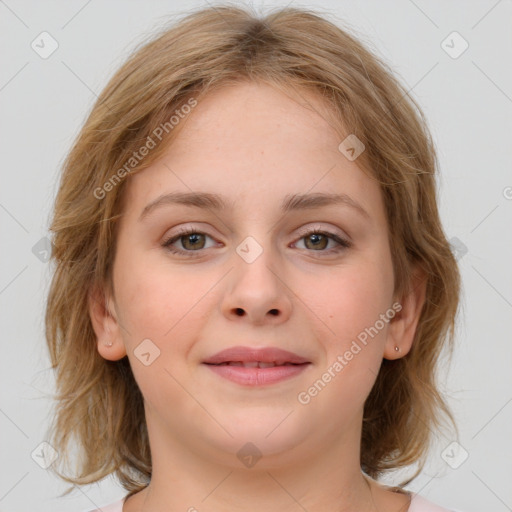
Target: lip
(287, 365)
(258, 376)
(248, 355)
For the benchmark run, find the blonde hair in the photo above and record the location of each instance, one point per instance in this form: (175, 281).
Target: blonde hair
(99, 406)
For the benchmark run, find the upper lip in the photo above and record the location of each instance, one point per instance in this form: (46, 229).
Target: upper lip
(248, 354)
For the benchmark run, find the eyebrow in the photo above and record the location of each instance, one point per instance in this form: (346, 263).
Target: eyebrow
(216, 202)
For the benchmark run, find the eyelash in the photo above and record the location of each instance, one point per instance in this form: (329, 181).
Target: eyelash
(343, 244)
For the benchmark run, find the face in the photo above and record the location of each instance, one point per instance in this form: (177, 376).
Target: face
(250, 272)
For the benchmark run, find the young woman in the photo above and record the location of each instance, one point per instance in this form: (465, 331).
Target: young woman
(252, 283)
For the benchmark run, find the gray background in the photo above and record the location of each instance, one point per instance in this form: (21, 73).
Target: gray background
(468, 102)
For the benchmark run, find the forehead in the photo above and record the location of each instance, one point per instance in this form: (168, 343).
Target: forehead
(257, 116)
(250, 141)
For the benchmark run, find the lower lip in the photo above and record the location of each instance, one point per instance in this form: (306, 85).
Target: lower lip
(257, 376)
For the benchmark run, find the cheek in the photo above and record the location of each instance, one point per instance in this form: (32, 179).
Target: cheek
(160, 302)
(158, 305)
(354, 300)
(144, 304)
(149, 301)
(357, 308)
(353, 343)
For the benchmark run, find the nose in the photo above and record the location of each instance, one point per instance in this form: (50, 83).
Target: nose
(257, 292)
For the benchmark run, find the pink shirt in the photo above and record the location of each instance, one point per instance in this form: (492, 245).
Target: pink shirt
(418, 504)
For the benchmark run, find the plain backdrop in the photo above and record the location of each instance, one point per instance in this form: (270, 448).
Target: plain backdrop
(466, 94)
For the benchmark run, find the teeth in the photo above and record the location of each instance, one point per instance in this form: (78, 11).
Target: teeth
(266, 365)
(250, 364)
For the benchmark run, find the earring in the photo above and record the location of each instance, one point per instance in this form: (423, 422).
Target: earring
(397, 348)
(108, 343)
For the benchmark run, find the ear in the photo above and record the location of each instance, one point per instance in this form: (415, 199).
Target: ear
(106, 326)
(402, 327)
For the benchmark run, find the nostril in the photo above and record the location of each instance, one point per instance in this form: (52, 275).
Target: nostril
(274, 312)
(239, 311)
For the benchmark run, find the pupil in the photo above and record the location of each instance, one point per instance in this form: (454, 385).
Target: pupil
(316, 240)
(191, 239)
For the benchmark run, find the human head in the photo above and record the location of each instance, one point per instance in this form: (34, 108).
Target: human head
(208, 51)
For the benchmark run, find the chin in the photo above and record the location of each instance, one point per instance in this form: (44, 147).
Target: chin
(263, 435)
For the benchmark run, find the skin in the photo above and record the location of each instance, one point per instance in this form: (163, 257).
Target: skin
(254, 145)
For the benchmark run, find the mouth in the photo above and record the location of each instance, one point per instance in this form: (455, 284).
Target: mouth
(256, 366)
(254, 357)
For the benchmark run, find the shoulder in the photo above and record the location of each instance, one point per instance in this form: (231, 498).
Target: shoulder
(117, 506)
(420, 504)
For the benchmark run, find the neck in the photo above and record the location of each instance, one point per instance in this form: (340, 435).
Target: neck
(193, 475)
(270, 491)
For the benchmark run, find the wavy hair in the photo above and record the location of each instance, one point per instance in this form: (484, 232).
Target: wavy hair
(99, 408)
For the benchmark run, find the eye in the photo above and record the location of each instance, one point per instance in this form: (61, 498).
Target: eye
(191, 240)
(318, 240)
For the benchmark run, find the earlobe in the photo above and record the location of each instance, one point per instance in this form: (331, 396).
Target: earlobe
(109, 342)
(402, 327)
